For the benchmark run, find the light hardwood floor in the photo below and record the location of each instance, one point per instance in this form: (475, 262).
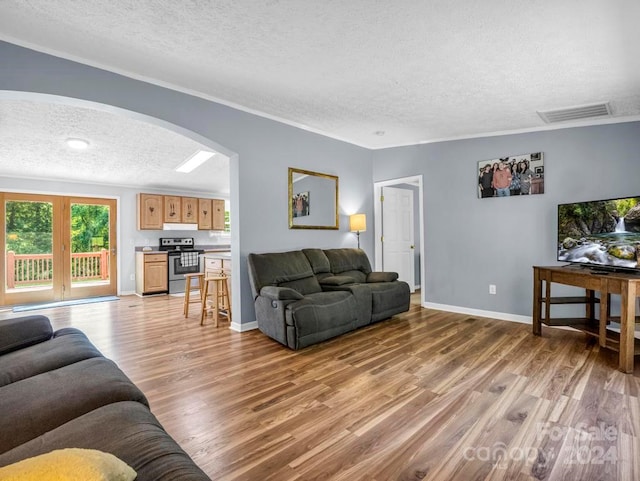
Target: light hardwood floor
(427, 395)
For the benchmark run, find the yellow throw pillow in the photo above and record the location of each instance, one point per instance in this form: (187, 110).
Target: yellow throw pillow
(71, 464)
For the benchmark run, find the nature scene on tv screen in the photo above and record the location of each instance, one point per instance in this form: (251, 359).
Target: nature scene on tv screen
(604, 232)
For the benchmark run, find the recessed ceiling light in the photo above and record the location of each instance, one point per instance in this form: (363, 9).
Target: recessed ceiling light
(196, 160)
(78, 144)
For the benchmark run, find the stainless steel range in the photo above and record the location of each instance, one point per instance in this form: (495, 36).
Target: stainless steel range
(184, 258)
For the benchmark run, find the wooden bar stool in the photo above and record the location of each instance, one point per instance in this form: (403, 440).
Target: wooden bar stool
(188, 281)
(215, 298)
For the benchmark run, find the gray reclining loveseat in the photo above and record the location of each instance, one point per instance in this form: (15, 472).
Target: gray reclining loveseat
(307, 296)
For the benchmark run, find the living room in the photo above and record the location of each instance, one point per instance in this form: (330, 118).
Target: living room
(469, 243)
(577, 160)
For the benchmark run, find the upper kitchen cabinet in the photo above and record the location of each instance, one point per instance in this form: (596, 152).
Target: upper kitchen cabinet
(217, 221)
(189, 210)
(172, 209)
(154, 210)
(150, 211)
(205, 214)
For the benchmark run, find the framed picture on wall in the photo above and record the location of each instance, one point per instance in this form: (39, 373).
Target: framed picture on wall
(301, 204)
(512, 175)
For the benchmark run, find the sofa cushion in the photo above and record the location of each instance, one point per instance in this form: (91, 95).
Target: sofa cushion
(382, 277)
(21, 332)
(318, 260)
(320, 316)
(389, 298)
(281, 293)
(357, 276)
(307, 285)
(347, 262)
(362, 295)
(68, 346)
(337, 281)
(43, 402)
(69, 464)
(125, 429)
(283, 269)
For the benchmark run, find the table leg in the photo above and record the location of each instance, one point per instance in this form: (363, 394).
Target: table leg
(547, 303)
(604, 313)
(590, 305)
(627, 326)
(537, 302)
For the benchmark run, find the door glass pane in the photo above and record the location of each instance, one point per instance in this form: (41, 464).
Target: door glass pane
(29, 241)
(90, 249)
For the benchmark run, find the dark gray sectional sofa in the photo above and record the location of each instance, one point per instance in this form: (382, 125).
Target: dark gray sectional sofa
(57, 391)
(307, 296)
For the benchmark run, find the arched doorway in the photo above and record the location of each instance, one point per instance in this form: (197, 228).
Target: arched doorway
(42, 181)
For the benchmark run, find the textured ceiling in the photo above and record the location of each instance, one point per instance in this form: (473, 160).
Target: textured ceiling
(415, 70)
(122, 151)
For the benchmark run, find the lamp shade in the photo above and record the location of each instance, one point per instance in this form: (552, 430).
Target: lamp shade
(358, 222)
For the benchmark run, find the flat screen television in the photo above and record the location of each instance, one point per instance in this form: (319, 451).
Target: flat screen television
(603, 234)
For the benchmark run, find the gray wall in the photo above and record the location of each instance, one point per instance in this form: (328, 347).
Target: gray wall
(471, 243)
(264, 148)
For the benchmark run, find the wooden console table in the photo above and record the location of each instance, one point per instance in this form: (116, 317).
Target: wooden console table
(623, 284)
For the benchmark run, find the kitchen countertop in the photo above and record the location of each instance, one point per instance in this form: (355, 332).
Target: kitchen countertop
(217, 254)
(214, 247)
(208, 249)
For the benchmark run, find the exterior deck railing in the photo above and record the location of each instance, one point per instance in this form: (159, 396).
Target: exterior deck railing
(35, 269)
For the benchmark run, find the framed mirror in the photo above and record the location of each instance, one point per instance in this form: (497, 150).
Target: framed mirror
(313, 200)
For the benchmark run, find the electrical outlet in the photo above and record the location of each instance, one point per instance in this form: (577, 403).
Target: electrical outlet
(492, 289)
(132, 277)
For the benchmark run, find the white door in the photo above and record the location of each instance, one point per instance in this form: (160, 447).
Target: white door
(398, 248)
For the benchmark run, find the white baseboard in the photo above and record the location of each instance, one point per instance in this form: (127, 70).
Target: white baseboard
(244, 327)
(477, 312)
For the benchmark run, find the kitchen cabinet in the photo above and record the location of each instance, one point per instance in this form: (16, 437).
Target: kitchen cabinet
(205, 214)
(172, 209)
(152, 273)
(189, 210)
(215, 266)
(154, 210)
(150, 211)
(217, 221)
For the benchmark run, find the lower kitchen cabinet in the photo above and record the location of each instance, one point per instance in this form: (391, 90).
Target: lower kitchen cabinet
(216, 265)
(152, 273)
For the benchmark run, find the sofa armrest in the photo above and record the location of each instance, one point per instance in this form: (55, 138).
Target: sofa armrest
(280, 293)
(337, 281)
(382, 277)
(21, 332)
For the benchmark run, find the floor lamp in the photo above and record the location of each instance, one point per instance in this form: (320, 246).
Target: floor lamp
(357, 224)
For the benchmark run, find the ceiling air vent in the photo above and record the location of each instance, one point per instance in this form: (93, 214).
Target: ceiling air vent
(576, 113)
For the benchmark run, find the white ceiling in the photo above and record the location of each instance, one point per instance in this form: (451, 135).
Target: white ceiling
(415, 70)
(121, 151)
